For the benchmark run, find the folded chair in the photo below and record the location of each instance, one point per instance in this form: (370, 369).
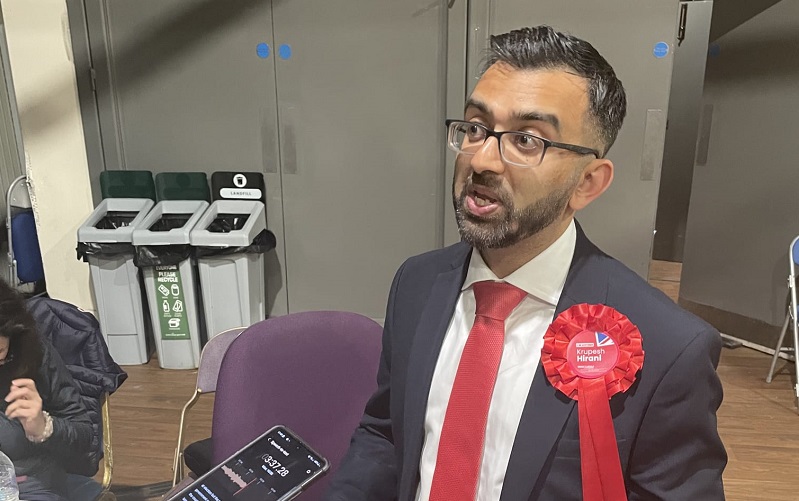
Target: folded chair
(790, 319)
(24, 256)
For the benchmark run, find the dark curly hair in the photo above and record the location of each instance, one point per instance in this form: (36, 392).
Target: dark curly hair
(541, 47)
(24, 347)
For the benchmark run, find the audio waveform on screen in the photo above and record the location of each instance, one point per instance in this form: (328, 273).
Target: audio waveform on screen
(232, 475)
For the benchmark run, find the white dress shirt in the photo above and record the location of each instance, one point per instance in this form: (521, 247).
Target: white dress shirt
(542, 278)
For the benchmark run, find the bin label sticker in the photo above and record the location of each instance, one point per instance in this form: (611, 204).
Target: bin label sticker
(246, 193)
(169, 294)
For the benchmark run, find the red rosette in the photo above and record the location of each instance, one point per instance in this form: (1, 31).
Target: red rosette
(596, 318)
(592, 352)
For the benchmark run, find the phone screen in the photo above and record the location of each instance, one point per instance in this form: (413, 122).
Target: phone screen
(266, 470)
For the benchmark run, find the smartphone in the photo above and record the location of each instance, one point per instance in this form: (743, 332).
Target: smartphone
(277, 466)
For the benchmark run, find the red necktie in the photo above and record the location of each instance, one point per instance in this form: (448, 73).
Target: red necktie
(460, 449)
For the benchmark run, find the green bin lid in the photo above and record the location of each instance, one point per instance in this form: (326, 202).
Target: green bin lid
(127, 184)
(182, 186)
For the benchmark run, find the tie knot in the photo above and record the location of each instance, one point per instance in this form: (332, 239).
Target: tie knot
(496, 299)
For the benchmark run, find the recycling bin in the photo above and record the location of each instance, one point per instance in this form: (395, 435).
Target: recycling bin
(229, 242)
(163, 253)
(105, 242)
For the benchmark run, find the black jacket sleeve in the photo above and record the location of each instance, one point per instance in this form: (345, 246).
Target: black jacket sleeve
(679, 454)
(72, 430)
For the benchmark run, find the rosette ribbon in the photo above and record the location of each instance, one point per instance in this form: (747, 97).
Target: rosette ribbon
(592, 352)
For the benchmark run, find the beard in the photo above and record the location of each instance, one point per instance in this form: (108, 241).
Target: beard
(514, 225)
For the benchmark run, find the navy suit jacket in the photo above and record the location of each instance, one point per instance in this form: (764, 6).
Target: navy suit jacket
(665, 423)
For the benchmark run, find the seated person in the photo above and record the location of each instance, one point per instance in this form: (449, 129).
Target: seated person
(467, 407)
(44, 426)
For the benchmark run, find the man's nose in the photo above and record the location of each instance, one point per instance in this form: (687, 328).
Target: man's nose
(488, 157)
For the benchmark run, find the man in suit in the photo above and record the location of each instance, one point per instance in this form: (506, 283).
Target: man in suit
(455, 417)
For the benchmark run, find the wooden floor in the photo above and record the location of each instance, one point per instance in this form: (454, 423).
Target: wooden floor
(757, 421)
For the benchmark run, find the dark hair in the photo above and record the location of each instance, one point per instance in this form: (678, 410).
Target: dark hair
(542, 47)
(24, 346)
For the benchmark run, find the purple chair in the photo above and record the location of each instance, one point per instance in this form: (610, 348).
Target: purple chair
(312, 372)
(207, 374)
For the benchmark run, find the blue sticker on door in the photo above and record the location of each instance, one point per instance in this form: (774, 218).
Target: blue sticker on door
(661, 50)
(262, 49)
(285, 51)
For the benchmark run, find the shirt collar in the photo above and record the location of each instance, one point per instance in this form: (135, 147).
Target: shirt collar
(542, 277)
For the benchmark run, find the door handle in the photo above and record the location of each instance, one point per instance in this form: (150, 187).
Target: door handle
(288, 141)
(682, 23)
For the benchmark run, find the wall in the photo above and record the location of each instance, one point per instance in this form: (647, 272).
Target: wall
(44, 82)
(744, 206)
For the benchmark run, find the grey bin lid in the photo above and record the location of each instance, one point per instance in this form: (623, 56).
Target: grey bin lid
(144, 235)
(88, 231)
(242, 237)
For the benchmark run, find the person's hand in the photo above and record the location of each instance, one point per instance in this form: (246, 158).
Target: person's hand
(25, 405)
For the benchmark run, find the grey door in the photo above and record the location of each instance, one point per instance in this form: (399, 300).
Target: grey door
(347, 127)
(361, 109)
(626, 32)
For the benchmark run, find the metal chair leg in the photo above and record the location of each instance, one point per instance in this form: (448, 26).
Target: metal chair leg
(778, 348)
(108, 450)
(796, 357)
(177, 462)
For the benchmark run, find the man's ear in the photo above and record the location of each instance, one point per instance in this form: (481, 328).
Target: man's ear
(594, 180)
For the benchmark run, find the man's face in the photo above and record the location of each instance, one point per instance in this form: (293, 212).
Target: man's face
(498, 204)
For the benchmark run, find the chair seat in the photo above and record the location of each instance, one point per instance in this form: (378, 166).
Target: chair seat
(197, 457)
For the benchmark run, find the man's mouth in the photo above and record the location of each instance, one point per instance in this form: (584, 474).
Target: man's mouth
(481, 202)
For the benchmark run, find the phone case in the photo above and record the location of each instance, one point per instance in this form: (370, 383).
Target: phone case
(293, 493)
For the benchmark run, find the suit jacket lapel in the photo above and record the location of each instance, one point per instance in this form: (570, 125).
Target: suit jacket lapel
(547, 410)
(432, 327)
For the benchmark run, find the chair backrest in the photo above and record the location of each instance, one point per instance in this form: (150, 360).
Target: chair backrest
(24, 255)
(211, 359)
(18, 196)
(793, 252)
(793, 261)
(312, 372)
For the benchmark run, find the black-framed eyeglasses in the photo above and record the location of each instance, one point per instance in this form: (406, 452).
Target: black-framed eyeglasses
(516, 148)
